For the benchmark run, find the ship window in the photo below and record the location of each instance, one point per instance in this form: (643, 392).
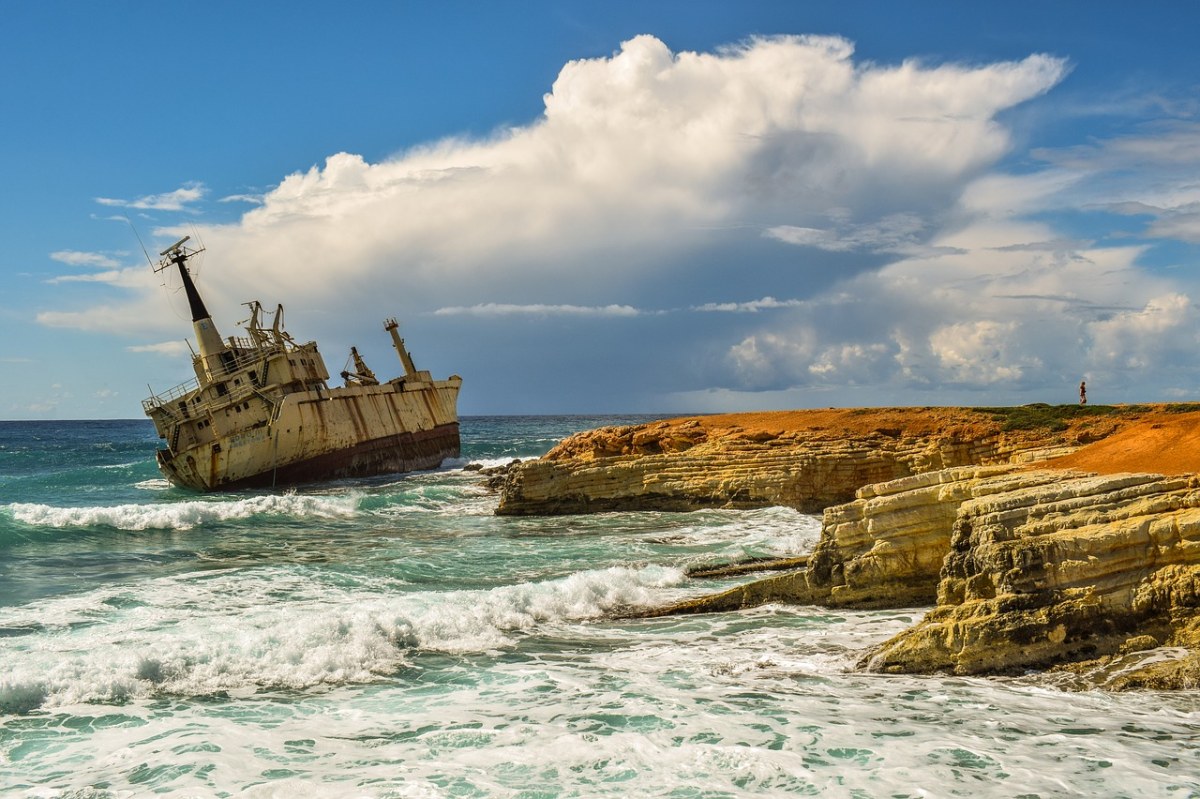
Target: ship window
(222, 389)
(253, 376)
(237, 381)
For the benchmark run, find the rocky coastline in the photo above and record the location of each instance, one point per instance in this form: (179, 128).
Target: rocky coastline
(1063, 539)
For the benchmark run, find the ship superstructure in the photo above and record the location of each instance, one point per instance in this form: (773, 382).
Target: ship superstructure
(260, 412)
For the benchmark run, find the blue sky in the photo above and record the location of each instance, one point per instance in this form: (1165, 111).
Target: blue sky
(611, 207)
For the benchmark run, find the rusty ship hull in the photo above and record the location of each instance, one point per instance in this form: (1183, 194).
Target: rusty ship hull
(261, 413)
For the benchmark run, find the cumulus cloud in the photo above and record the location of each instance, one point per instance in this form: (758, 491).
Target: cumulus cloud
(868, 194)
(635, 159)
(1007, 305)
(1134, 340)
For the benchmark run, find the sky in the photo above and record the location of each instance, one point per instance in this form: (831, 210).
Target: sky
(620, 207)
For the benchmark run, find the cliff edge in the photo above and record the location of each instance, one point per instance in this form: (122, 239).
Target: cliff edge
(1043, 537)
(806, 460)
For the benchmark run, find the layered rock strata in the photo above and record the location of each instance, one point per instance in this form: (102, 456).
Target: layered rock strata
(1090, 566)
(1026, 569)
(1070, 570)
(693, 464)
(884, 549)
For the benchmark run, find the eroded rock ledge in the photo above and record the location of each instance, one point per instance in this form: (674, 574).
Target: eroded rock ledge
(1026, 569)
(806, 460)
(1073, 567)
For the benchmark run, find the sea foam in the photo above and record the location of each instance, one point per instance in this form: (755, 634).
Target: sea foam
(200, 634)
(187, 514)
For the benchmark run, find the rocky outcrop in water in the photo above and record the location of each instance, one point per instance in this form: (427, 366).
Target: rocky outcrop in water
(1076, 568)
(712, 463)
(1026, 569)
(1070, 570)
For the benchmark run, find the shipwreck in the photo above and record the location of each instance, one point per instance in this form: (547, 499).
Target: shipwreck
(260, 411)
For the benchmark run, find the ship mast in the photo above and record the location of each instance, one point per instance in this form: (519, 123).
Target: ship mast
(214, 356)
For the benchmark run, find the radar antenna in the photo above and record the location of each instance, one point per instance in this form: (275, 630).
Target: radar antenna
(177, 253)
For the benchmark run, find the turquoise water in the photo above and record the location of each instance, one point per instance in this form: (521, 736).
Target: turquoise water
(392, 638)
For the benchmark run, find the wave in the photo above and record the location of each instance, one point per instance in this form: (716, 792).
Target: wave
(187, 514)
(483, 463)
(204, 635)
(153, 484)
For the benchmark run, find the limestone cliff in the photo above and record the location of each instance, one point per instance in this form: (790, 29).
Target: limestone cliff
(1026, 568)
(1071, 570)
(806, 460)
(1075, 564)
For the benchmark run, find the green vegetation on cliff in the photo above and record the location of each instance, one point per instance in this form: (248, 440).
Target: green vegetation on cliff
(1055, 418)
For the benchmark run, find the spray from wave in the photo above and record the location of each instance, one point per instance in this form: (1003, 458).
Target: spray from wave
(203, 635)
(188, 514)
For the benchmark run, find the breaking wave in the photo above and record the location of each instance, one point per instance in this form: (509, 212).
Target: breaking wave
(202, 634)
(187, 514)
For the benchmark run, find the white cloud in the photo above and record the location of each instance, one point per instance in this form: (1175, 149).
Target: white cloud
(635, 158)
(768, 359)
(851, 364)
(998, 304)
(1153, 172)
(980, 352)
(1136, 340)
(252, 199)
(897, 233)
(76, 258)
(659, 180)
(753, 306)
(502, 309)
(1182, 223)
(125, 278)
(178, 200)
(144, 316)
(173, 349)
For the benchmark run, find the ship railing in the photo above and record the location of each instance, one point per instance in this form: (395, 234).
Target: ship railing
(168, 402)
(171, 396)
(249, 354)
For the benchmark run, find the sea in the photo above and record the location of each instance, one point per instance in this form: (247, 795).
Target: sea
(392, 637)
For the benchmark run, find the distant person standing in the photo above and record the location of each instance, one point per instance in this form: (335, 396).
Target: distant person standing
(1083, 392)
